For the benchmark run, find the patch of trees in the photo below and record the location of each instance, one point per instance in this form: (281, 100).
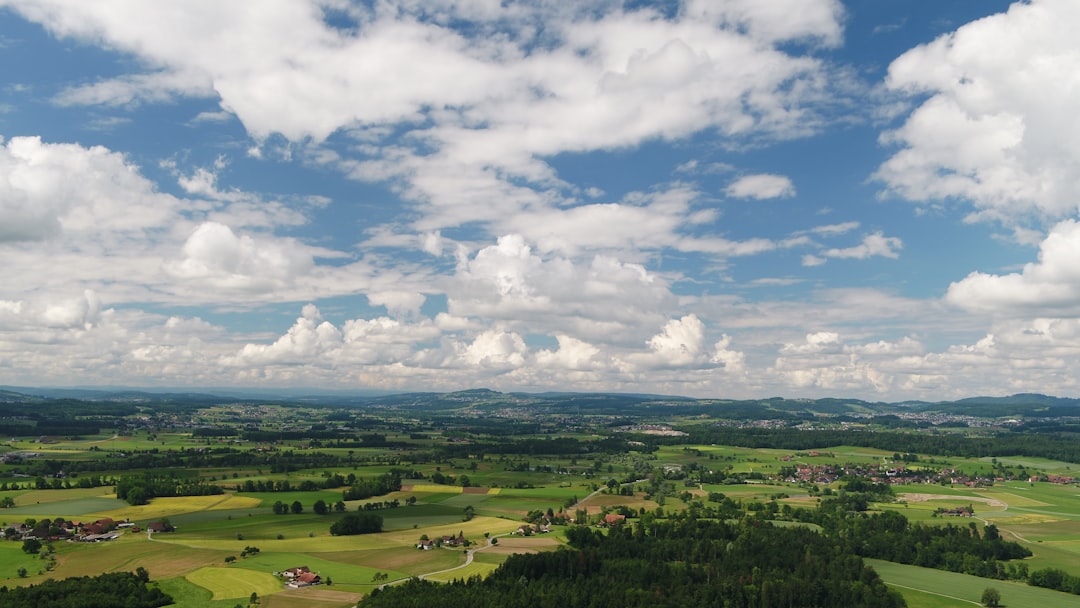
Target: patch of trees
(373, 486)
(1063, 447)
(1058, 580)
(113, 589)
(141, 490)
(357, 523)
(283, 485)
(890, 536)
(676, 563)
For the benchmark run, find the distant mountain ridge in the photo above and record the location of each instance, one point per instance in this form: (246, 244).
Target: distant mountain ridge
(481, 399)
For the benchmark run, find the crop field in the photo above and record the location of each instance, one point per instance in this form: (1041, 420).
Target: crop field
(171, 507)
(234, 583)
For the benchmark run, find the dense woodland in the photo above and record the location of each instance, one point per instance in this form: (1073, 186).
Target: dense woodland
(115, 590)
(685, 563)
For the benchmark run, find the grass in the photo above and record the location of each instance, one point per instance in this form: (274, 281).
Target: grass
(343, 575)
(233, 583)
(967, 590)
(186, 594)
(12, 558)
(160, 508)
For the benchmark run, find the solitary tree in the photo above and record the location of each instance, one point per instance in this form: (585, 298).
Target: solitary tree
(991, 598)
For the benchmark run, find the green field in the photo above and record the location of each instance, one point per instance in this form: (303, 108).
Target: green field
(964, 590)
(234, 583)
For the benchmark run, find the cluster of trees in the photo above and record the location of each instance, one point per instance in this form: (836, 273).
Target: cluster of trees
(1058, 580)
(141, 490)
(374, 486)
(357, 523)
(889, 536)
(284, 485)
(1055, 447)
(686, 563)
(113, 589)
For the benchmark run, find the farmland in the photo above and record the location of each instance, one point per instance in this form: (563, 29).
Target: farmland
(478, 477)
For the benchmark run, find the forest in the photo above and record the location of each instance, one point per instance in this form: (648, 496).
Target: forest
(685, 563)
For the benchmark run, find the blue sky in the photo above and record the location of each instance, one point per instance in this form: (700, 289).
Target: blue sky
(719, 198)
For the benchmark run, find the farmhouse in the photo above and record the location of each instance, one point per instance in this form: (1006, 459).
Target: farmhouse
(614, 519)
(301, 576)
(160, 526)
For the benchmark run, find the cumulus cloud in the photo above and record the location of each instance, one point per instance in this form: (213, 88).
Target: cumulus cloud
(996, 127)
(1050, 285)
(598, 298)
(216, 256)
(761, 186)
(484, 110)
(48, 189)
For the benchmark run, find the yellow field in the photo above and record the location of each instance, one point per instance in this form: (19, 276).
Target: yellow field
(171, 507)
(464, 573)
(433, 489)
(129, 552)
(234, 583)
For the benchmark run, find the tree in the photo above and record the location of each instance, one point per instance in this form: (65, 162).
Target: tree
(357, 523)
(296, 507)
(31, 545)
(254, 599)
(991, 598)
(320, 507)
(470, 512)
(21, 572)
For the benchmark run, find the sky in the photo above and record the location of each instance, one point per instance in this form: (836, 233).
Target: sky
(710, 198)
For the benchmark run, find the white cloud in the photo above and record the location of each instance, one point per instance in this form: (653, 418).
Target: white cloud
(876, 244)
(572, 354)
(761, 186)
(1051, 285)
(215, 256)
(482, 110)
(997, 129)
(50, 189)
(598, 298)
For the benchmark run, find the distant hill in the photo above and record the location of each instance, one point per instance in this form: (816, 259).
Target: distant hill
(607, 404)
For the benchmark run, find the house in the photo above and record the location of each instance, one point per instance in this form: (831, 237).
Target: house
(301, 576)
(454, 541)
(614, 519)
(292, 573)
(100, 526)
(160, 526)
(426, 545)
